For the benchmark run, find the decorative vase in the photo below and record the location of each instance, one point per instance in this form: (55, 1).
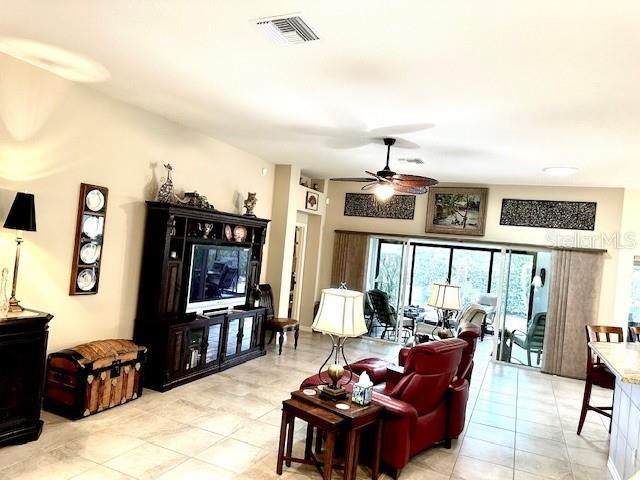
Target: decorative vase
(165, 192)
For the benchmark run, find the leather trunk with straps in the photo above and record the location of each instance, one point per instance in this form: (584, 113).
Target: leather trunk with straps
(93, 377)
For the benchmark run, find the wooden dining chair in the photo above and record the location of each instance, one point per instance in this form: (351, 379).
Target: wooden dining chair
(597, 372)
(634, 333)
(277, 325)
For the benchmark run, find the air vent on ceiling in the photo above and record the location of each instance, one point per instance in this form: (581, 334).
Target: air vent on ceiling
(417, 161)
(287, 30)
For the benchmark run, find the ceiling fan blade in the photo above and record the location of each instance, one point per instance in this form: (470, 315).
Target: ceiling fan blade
(413, 180)
(400, 129)
(370, 186)
(415, 190)
(353, 179)
(378, 177)
(342, 143)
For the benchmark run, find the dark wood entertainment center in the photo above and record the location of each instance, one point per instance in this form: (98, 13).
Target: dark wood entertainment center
(186, 346)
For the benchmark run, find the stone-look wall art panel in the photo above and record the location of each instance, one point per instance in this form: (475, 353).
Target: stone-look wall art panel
(548, 214)
(399, 207)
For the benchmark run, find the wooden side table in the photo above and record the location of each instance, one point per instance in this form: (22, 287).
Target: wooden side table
(326, 417)
(316, 417)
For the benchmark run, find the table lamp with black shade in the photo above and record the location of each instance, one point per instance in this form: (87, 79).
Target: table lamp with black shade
(341, 316)
(22, 217)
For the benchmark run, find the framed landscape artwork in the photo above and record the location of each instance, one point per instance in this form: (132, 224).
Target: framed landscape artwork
(457, 211)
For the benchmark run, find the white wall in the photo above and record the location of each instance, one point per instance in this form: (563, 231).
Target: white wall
(608, 221)
(55, 135)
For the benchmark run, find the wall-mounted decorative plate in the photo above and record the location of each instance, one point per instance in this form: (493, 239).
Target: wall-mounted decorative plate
(87, 254)
(86, 280)
(92, 226)
(95, 200)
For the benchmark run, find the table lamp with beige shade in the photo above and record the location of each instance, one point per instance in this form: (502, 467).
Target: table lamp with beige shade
(445, 299)
(341, 316)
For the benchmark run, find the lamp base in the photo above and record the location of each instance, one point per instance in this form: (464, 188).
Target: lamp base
(333, 394)
(14, 306)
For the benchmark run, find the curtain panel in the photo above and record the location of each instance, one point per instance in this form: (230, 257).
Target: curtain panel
(574, 297)
(349, 260)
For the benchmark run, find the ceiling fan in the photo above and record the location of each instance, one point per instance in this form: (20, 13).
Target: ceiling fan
(386, 182)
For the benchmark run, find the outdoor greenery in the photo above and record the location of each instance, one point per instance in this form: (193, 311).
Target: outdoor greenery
(470, 270)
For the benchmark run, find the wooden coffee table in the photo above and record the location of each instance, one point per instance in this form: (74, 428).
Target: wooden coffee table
(324, 417)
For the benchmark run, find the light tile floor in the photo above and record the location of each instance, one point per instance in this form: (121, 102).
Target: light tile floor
(521, 427)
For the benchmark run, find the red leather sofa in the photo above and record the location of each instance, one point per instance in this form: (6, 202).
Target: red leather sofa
(377, 368)
(424, 404)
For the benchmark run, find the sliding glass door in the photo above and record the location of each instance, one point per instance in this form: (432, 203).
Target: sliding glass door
(511, 285)
(521, 320)
(386, 287)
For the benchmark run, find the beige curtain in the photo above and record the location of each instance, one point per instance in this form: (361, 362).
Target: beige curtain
(349, 260)
(573, 303)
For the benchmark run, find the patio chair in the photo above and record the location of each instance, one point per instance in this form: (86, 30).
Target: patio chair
(488, 302)
(385, 313)
(533, 338)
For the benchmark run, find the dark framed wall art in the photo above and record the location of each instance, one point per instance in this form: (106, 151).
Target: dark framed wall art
(457, 211)
(548, 214)
(399, 207)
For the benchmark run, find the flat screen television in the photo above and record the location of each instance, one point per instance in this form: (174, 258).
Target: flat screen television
(217, 277)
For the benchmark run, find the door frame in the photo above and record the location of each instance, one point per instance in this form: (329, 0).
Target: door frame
(299, 268)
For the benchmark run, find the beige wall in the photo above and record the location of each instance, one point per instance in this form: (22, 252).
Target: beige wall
(55, 135)
(289, 205)
(608, 221)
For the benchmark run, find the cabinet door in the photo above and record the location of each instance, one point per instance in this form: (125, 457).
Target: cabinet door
(214, 339)
(233, 332)
(21, 379)
(248, 342)
(194, 347)
(258, 330)
(175, 352)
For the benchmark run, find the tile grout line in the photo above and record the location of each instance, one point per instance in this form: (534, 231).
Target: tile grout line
(564, 438)
(484, 375)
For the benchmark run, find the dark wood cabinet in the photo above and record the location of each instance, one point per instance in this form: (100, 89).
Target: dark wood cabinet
(23, 347)
(186, 346)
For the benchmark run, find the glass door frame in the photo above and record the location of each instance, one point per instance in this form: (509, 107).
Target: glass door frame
(503, 290)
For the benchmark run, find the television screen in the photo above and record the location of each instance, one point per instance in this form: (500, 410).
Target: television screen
(218, 273)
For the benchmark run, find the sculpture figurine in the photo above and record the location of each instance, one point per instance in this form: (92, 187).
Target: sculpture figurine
(250, 204)
(194, 199)
(165, 192)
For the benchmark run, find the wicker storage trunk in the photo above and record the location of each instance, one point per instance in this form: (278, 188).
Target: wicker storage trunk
(93, 377)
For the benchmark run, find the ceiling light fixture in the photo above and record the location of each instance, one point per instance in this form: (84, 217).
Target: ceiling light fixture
(560, 171)
(61, 62)
(383, 191)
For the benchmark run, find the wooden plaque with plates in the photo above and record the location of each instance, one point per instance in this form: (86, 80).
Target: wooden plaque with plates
(89, 238)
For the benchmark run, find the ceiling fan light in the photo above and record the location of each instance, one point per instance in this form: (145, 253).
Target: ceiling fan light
(384, 191)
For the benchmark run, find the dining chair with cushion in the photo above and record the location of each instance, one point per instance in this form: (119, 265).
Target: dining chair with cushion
(533, 339)
(634, 333)
(597, 372)
(277, 325)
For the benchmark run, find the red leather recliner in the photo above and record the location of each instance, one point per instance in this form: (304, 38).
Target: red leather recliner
(376, 368)
(425, 404)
